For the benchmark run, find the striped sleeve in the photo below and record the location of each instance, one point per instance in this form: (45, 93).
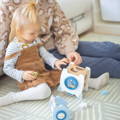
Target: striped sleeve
(9, 64)
(48, 57)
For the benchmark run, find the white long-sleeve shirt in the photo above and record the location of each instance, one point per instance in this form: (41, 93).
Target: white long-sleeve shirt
(15, 46)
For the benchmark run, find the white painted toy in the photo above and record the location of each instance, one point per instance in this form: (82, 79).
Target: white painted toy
(59, 109)
(74, 79)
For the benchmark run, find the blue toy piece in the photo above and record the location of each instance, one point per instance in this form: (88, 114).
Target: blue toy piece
(59, 109)
(104, 92)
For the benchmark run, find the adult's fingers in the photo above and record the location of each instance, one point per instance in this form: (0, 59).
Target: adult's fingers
(77, 59)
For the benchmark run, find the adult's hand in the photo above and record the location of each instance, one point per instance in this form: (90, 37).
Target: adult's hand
(74, 57)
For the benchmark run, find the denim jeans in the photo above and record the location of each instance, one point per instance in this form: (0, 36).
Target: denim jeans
(101, 57)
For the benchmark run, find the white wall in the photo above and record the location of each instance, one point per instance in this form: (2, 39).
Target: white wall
(101, 26)
(110, 10)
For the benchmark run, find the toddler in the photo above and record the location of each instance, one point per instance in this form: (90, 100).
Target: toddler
(24, 58)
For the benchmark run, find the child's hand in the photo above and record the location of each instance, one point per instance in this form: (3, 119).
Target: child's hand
(63, 61)
(29, 75)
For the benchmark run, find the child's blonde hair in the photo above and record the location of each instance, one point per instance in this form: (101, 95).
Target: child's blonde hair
(23, 15)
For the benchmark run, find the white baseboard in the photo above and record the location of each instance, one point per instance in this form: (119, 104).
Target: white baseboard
(112, 29)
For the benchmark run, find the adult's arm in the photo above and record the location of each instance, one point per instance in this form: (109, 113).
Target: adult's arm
(66, 39)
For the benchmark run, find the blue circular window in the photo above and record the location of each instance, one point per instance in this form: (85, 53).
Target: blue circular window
(61, 115)
(71, 83)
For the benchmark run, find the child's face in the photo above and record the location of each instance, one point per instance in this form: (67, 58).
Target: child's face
(30, 32)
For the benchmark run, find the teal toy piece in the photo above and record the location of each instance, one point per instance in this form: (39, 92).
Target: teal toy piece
(104, 92)
(59, 108)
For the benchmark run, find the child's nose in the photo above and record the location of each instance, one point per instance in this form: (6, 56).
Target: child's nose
(36, 34)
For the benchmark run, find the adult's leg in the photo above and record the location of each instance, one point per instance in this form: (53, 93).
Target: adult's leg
(101, 65)
(98, 65)
(39, 92)
(99, 49)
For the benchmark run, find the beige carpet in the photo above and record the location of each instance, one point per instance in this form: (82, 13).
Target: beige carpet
(103, 107)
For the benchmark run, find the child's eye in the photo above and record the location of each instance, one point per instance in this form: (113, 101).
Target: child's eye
(34, 33)
(31, 33)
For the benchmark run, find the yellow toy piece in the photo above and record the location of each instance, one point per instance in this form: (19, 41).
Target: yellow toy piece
(25, 45)
(35, 74)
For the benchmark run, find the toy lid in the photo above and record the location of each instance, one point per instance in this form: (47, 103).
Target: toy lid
(76, 70)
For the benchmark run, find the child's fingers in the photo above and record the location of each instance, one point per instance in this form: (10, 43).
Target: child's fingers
(33, 73)
(58, 67)
(30, 77)
(66, 60)
(27, 76)
(63, 63)
(30, 72)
